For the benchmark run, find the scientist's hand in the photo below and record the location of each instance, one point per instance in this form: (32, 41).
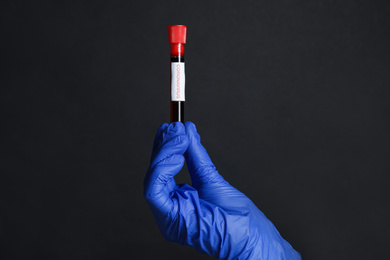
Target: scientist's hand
(211, 216)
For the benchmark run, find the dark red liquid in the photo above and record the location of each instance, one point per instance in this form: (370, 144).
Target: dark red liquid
(177, 111)
(177, 107)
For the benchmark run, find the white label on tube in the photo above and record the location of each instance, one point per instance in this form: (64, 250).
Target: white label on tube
(178, 81)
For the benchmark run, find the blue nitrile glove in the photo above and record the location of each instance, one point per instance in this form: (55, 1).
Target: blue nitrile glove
(211, 216)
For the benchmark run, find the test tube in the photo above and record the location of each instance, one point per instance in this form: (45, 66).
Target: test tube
(177, 40)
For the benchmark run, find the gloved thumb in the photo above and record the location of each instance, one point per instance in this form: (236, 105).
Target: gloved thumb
(200, 166)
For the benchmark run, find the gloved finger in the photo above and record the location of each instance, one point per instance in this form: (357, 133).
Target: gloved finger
(200, 166)
(172, 140)
(166, 163)
(158, 138)
(160, 182)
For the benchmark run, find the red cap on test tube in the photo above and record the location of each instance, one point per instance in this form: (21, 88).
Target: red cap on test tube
(177, 39)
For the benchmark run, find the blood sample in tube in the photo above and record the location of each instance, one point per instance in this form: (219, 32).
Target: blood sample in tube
(177, 40)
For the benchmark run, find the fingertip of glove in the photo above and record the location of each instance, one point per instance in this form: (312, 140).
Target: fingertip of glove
(163, 126)
(176, 127)
(192, 132)
(190, 127)
(172, 130)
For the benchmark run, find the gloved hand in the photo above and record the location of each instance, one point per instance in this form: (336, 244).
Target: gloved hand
(211, 216)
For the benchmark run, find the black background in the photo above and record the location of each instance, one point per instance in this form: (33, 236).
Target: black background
(291, 99)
